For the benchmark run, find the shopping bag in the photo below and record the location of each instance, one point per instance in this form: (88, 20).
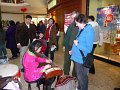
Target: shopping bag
(4, 60)
(66, 82)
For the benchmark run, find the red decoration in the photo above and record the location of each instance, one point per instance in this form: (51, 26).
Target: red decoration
(23, 9)
(109, 18)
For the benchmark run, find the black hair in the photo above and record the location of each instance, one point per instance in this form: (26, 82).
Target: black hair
(52, 20)
(91, 17)
(18, 22)
(34, 44)
(81, 18)
(28, 16)
(12, 23)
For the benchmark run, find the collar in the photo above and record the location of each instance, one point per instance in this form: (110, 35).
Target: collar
(31, 53)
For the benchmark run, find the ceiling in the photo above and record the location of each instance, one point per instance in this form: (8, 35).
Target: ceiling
(33, 7)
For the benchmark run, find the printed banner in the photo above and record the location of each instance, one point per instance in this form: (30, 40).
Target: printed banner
(106, 18)
(67, 21)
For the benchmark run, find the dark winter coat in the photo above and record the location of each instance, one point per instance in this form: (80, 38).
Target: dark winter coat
(24, 34)
(10, 37)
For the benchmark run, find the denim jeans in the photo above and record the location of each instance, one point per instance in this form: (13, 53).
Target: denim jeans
(82, 75)
(3, 51)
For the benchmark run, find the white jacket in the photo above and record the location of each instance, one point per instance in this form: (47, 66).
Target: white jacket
(98, 34)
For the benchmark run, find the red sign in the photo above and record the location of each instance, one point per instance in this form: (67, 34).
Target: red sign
(109, 18)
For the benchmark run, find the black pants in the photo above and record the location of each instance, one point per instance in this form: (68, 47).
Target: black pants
(14, 52)
(51, 52)
(92, 69)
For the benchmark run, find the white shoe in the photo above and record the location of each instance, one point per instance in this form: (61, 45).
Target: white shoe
(76, 89)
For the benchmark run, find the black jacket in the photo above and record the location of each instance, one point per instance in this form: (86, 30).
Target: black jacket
(24, 34)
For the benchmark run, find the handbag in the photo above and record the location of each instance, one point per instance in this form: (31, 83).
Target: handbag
(88, 60)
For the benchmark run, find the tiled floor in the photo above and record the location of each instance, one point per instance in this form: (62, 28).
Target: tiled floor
(107, 76)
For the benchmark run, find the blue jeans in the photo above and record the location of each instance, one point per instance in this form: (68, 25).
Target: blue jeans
(82, 76)
(3, 51)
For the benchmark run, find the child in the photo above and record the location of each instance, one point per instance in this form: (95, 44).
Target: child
(44, 42)
(31, 62)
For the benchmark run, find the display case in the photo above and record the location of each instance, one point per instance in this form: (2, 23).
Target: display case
(116, 46)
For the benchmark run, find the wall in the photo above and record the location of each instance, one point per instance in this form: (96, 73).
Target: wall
(14, 17)
(65, 7)
(18, 17)
(94, 4)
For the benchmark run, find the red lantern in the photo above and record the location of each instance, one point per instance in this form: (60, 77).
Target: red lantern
(23, 9)
(109, 18)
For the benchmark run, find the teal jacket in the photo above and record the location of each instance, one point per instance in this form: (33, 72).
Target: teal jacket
(85, 43)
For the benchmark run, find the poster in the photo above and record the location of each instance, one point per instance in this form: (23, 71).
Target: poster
(67, 21)
(106, 18)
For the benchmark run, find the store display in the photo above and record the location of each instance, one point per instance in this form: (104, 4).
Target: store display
(116, 47)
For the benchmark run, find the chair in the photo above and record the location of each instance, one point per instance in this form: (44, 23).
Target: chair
(38, 83)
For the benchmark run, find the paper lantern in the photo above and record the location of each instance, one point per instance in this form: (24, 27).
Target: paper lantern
(23, 9)
(109, 18)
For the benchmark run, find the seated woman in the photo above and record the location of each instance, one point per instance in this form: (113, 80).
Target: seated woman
(31, 61)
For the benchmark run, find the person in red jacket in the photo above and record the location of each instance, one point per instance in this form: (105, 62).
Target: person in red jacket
(44, 42)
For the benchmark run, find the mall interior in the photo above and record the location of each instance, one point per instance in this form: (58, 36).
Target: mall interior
(107, 14)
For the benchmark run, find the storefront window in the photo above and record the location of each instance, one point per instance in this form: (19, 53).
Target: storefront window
(107, 16)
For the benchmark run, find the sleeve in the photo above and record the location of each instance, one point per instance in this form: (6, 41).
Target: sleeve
(38, 59)
(53, 35)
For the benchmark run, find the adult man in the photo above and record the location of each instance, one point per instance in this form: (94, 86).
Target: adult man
(68, 42)
(98, 37)
(25, 33)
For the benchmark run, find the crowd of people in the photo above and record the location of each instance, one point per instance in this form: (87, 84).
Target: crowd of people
(36, 42)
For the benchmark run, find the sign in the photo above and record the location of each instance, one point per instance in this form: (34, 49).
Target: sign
(68, 20)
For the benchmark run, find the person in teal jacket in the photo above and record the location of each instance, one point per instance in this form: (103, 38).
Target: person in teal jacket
(3, 51)
(84, 41)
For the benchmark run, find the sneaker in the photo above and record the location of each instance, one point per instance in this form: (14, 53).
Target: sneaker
(76, 89)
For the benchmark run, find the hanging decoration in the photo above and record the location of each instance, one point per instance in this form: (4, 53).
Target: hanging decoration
(23, 9)
(109, 18)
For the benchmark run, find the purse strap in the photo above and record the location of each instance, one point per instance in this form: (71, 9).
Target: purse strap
(82, 53)
(79, 49)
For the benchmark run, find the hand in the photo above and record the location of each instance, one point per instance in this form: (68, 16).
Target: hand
(47, 66)
(48, 61)
(75, 42)
(18, 45)
(63, 48)
(70, 52)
